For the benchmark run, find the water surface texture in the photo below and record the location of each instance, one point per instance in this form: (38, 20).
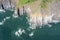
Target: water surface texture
(11, 25)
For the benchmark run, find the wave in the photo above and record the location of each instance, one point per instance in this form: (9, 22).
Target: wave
(3, 21)
(1, 10)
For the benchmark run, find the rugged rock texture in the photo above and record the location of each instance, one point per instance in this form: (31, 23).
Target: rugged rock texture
(7, 4)
(53, 10)
(0, 5)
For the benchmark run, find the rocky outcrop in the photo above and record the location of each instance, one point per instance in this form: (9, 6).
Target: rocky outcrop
(20, 11)
(53, 9)
(0, 5)
(7, 4)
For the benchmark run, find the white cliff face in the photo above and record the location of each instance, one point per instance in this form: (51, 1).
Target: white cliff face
(21, 11)
(0, 6)
(44, 17)
(35, 21)
(37, 15)
(7, 4)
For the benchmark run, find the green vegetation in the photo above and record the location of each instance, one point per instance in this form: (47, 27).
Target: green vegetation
(23, 2)
(57, 0)
(44, 3)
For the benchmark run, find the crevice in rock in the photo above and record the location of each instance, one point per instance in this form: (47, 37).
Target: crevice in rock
(18, 12)
(2, 6)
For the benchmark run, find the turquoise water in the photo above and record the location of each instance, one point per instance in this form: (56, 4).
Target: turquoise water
(13, 24)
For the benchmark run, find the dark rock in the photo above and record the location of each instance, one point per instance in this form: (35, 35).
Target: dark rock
(18, 12)
(21, 11)
(2, 6)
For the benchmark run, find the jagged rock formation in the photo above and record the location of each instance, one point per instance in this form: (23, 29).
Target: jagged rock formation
(19, 11)
(0, 5)
(53, 10)
(44, 16)
(33, 10)
(7, 4)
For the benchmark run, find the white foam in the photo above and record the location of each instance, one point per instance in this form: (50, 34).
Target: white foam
(1, 10)
(33, 26)
(2, 22)
(55, 21)
(19, 32)
(49, 25)
(7, 17)
(31, 34)
(15, 16)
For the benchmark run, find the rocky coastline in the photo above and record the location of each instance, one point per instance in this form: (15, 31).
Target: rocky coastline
(51, 13)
